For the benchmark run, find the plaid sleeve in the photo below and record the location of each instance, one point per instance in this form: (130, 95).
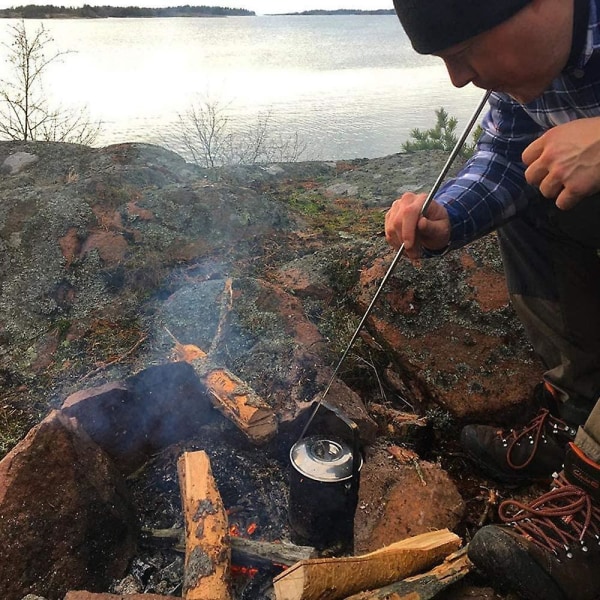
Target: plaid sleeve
(491, 187)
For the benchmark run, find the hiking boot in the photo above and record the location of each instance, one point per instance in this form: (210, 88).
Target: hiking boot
(548, 549)
(516, 456)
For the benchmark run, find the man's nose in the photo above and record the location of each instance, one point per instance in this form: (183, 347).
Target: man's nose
(460, 72)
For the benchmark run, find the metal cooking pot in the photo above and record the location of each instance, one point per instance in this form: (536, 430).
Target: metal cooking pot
(324, 490)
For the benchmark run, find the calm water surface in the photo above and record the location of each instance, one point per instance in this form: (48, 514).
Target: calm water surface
(349, 86)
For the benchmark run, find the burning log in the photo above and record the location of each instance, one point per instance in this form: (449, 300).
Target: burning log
(239, 403)
(425, 586)
(208, 556)
(339, 578)
(229, 394)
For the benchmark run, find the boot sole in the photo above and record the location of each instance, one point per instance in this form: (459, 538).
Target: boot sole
(492, 548)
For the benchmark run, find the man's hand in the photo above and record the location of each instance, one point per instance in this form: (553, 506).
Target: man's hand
(404, 224)
(565, 162)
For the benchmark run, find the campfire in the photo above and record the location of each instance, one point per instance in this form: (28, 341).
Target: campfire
(228, 541)
(225, 557)
(194, 474)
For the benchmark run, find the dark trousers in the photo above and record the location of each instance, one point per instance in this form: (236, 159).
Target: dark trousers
(552, 265)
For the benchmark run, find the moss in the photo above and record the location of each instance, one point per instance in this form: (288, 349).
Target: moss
(328, 215)
(62, 327)
(343, 274)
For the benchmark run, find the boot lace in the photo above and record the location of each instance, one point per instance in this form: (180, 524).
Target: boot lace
(557, 520)
(535, 431)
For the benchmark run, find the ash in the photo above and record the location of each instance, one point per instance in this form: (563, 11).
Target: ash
(253, 483)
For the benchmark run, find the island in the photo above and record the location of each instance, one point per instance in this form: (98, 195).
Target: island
(49, 11)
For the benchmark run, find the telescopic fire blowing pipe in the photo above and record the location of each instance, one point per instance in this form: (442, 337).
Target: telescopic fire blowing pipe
(436, 186)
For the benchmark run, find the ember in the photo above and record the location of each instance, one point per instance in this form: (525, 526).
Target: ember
(251, 528)
(249, 572)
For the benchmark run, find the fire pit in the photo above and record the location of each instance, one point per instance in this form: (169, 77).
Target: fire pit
(254, 488)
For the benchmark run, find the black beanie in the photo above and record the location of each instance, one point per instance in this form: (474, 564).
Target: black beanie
(434, 25)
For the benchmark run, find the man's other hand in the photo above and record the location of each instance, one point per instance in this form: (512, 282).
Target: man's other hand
(565, 162)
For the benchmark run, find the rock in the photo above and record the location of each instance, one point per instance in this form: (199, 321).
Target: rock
(104, 249)
(451, 334)
(126, 224)
(305, 277)
(133, 419)
(66, 517)
(17, 162)
(96, 233)
(398, 500)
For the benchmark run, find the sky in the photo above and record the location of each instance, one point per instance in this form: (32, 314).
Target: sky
(258, 6)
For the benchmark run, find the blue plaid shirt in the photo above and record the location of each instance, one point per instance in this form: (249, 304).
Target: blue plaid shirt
(491, 188)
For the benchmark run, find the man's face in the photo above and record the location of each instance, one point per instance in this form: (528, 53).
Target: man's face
(520, 57)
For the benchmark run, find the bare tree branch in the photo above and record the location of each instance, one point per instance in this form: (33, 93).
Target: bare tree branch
(206, 133)
(25, 113)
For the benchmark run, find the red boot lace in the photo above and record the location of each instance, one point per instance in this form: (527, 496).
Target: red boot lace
(535, 430)
(557, 520)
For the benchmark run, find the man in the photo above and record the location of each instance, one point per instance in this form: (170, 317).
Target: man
(535, 179)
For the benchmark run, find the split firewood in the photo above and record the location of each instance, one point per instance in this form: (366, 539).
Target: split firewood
(229, 394)
(244, 551)
(338, 578)
(425, 586)
(236, 400)
(186, 352)
(240, 403)
(208, 555)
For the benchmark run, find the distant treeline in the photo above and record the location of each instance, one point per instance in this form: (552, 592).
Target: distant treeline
(346, 11)
(49, 11)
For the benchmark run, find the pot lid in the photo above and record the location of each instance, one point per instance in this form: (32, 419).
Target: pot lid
(323, 459)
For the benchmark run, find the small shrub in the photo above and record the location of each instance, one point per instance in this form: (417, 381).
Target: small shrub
(441, 137)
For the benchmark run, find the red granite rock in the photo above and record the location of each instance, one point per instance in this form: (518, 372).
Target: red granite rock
(66, 519)
(400, 499)
(132, 419)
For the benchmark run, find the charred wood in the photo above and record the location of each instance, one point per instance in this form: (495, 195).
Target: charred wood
(244, 551)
